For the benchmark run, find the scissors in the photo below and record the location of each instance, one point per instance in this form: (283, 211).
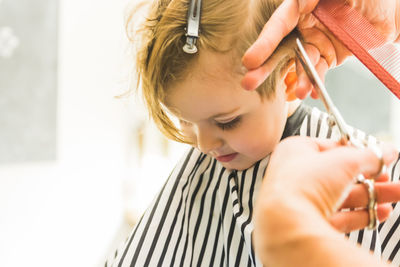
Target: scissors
(337, 119)
(346, 137)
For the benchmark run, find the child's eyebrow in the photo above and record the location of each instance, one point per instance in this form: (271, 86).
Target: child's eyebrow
(225, 113)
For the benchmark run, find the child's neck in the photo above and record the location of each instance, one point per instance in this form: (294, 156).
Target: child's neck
(293, 105)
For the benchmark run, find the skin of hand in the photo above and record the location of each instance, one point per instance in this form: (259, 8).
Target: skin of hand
(297, 201)
(324, 49)
(398, 22)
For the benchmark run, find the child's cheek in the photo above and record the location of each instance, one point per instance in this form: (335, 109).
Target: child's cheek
(251, 144)
(262, 142)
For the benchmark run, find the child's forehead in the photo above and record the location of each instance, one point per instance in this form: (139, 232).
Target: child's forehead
(215, 65)
(211, 75)
(206, 92)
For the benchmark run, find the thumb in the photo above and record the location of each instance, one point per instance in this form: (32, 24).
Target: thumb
(306, 6)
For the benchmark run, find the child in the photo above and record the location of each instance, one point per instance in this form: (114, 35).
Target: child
(203, 214)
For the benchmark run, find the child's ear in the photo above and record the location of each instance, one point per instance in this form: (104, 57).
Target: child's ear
(290, 80)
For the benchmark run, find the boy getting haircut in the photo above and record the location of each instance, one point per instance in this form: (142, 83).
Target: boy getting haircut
(203, 214)
(226, 27)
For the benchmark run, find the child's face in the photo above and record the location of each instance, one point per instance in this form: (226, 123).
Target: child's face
(223, 120)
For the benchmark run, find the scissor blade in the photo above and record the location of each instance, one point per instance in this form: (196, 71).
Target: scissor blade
(321, 90)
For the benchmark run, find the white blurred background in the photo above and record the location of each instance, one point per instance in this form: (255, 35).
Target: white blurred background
(73, 208)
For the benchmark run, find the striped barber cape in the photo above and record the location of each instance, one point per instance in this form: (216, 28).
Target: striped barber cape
(203, 214)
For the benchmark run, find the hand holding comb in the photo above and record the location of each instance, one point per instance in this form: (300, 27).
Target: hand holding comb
(382, 58)
(290, 14)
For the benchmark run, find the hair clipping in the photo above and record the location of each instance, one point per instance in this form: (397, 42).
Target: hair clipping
(192, 29)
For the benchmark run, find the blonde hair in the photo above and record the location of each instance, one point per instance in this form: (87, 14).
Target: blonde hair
(226, 26)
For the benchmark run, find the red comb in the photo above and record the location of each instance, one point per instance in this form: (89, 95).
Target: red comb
(363, 40)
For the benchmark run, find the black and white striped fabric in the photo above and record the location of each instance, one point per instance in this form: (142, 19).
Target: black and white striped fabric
(203, 214)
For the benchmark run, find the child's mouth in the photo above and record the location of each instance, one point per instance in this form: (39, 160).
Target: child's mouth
(227, 158)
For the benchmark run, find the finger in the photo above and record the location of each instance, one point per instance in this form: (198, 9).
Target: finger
(385, 154)
(385, 193)
(347, 221)
(382, 178)
(326, 144)
(314, 94)
(304, 85)
(359, 161)
(281, 23)
(340, 50)
(307, 21)
(321, 41)
(389, 153)
(353, 161)
(321, 68)
(306, 6)
(254, 78)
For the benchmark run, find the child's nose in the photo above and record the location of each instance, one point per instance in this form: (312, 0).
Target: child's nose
(208, 141)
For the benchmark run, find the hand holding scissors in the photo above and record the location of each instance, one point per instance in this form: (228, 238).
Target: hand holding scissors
(346, 137)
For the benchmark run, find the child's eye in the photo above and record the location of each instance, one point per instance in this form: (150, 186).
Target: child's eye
(231, 124)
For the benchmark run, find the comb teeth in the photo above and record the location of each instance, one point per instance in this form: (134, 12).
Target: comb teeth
(363, 40)
(388, 56)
